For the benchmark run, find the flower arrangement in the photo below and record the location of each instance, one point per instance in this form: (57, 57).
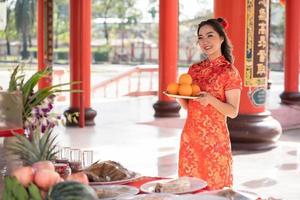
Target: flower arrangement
(37, 104)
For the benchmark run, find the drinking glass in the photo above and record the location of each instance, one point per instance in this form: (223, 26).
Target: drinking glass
(66, 153)
(75, 160)
(298, 158)
(58, 150)
(87, 158)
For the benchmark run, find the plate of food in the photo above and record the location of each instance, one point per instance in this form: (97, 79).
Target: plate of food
(108, 173)
(231, 194)
(154, 196)
(181, 185)
(106, 192)
(179, 96)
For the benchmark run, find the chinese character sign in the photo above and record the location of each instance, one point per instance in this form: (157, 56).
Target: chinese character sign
(257, 15)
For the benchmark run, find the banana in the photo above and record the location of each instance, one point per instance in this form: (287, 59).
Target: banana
(6, 195)
(34, 192)
(8, 185)
(13, 190)
(21, 192)
(8, 181)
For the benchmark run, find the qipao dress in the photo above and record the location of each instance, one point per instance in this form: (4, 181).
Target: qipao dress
(205, 150)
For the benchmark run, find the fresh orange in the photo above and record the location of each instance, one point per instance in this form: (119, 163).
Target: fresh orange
(195, 89)
(185, 90)
(172, 88)
(185, 79)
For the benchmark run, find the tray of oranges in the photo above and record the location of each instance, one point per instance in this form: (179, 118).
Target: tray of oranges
(185, 88)
(179, 96)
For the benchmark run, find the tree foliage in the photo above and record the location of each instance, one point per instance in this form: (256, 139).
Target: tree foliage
(119, 9)
(9, 33)
(25, 11)
(61, 22)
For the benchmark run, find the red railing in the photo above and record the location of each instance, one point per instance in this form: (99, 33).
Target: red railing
(130, 75)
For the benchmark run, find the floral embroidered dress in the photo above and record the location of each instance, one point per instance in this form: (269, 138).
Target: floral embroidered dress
(205, 150)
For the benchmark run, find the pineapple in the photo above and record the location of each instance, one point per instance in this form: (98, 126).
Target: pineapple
(39, 148)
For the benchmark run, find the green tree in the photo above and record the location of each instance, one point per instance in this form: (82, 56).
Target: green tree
(102, 9)
(10, 32)
(125, 10)
(25, 11)
(121, 9)
(61, 21)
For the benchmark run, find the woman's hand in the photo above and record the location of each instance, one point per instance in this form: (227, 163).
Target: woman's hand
(229, 108)
(204, 98)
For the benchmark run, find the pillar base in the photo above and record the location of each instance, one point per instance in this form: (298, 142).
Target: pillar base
(290, 98)
(89, 116)
(254, 132)
(166, 109)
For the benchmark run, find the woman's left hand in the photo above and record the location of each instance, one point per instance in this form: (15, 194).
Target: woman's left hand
(203, 98)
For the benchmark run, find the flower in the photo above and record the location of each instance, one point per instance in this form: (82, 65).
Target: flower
(37, 104)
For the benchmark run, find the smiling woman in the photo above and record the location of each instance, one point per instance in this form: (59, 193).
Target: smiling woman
(205, 150)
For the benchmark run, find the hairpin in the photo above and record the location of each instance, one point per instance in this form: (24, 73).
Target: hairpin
(224, 24)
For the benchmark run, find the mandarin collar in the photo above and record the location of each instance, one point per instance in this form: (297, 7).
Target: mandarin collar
(217, 61)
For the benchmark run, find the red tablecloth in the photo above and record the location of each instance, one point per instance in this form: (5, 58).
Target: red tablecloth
(8, 132)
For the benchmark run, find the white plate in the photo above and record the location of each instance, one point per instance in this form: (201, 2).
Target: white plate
(124, 181)
(155, 196)
(179, 96)
(199, 197)
(115, 191)
(195, 185)
(232, 194)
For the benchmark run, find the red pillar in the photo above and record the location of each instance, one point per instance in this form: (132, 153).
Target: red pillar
(292, 53)
(132, 46)
(80, 61)
(150, 53)
(168, 56)
(254, 128)
(45, 38)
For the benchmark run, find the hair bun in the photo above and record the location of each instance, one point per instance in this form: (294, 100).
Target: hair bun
(223, 22)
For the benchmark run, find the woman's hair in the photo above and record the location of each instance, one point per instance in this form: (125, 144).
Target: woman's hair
(219, 25)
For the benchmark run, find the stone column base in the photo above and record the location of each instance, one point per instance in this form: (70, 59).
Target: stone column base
(89, 115)
(166, 109)
(290, 97)
(254, 132)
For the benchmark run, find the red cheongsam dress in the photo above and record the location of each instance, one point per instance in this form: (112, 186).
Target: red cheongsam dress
(205, 150)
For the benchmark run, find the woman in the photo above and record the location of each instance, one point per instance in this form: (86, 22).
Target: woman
(205, 150)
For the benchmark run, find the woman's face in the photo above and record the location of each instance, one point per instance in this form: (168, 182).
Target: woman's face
(210, 42)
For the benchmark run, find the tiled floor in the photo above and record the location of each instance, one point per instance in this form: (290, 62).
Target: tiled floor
(126, 131)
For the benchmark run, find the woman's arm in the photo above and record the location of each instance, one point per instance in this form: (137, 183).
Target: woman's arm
(230, 108)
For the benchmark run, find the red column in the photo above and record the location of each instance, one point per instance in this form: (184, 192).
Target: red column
(80, 60)
(254, 128)
(40, 35)
(43, 24)
(132, 46)
(292, 53)
(168, 56)
(150, 52)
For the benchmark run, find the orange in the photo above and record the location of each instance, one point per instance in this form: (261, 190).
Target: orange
(172, 88)
(185, 79)
(185, 90)
(195, 89)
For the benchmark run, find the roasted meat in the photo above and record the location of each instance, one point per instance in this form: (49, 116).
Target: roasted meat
(107, 171)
